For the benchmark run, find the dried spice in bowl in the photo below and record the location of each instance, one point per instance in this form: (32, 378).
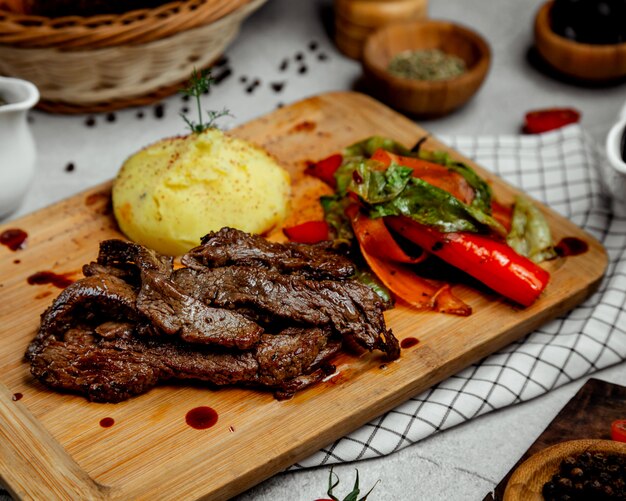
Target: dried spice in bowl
(588, 476)
(426, 64)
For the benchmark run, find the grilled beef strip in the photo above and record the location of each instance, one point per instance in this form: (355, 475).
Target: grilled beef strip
(87, 301)
(112, 370)
(228, 247)
(111, 335)
(119, 253)
(175, 313)
(349, 307)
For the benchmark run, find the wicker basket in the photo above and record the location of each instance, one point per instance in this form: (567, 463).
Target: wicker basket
(106, 62)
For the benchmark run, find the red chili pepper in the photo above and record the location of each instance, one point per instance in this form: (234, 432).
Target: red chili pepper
(310, 232)
(539, 121)
(618, 430)
(325, 169)
(492, 262)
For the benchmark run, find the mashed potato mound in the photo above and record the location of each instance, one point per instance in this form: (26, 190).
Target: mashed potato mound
(170, 194)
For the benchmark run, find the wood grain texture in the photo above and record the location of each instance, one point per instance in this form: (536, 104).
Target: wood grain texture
(355, 20)
(150, 452)
(422, 97)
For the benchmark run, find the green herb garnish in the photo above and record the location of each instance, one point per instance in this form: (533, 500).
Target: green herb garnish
(199, 83)
(429, 64)
(353, 495)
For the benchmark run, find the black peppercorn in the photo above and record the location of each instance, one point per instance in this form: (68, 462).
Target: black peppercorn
(577, 472)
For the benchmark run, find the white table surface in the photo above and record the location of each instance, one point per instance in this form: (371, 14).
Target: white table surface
(465, 462)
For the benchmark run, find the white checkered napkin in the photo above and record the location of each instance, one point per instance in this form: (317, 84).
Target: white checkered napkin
(561, 169)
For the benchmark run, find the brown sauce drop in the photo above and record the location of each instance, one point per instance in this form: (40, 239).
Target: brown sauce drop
(43, 295)
(16, 397)
(100, 202)
(408, 342)
(107, 422)
(571, 246)
(201, 418)
(305, 126)
(13, 238)
(60, 280)
(16, 261)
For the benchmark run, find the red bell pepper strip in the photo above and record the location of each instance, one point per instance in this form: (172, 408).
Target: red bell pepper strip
(375, 239)
(492, 262)
(433, 173)
(310, 232)
(325, 169)
(539, 121)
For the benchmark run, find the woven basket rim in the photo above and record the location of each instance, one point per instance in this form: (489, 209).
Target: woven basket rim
(106, 30)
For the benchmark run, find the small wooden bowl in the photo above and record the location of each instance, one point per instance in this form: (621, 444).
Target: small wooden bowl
(588, 62)
(355, 20)
(528, 479)
(418, 97)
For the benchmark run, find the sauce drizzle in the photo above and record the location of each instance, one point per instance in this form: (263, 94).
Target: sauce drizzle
(571, 246)
(13, 238)
(201, 418)
(49, 277)
(107, 422)
(408, 342)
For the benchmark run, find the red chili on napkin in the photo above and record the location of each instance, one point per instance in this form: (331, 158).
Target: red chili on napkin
(539, 121)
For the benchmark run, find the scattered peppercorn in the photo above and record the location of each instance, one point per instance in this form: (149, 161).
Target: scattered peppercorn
(277, 86)
(90, 121)
(313, 45)
(70, 167)
(139, 115)
(322, 57)
(284, 65)
(110, 117)
(159, 111)
(220, 77)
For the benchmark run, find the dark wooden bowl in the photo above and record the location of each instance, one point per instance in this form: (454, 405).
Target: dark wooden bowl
(430, 98)
(582, 61)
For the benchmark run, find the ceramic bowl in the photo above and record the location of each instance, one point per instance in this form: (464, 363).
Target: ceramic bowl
(582, 61)
(526, 482)
(17, 148)
(418, 97)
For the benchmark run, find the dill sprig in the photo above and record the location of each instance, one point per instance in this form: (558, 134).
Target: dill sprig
(200, 83)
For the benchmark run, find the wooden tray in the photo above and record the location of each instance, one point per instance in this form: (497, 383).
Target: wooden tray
(52, 445)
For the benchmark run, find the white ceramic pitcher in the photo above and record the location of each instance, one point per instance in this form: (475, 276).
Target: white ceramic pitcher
(17, 148)
(616, 173)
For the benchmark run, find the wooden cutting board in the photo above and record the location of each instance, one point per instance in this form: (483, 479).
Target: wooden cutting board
(53, 446)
